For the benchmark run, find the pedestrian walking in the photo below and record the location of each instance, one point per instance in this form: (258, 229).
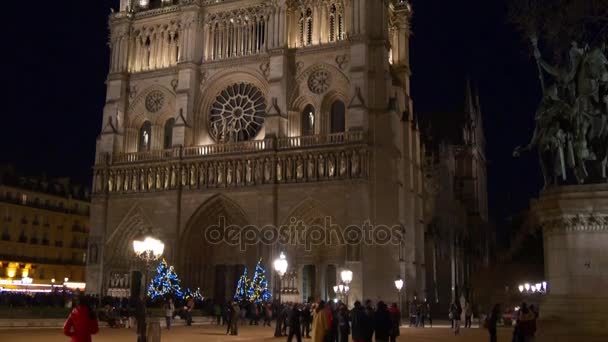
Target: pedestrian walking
(319, 323)
(234, 328)
(491, 321)
(454, 315)
(395, 315)
(228, 317)
(306, 321)
(217, 312)
(382, 323)
(169, 308)
(189, 310)
(525, 328)
(294, 324)
(468, 314)
(343, 324)
(82, 322)
(360, 323)
(369, 311)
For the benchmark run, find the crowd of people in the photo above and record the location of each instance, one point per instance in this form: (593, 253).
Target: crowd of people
(320, 321)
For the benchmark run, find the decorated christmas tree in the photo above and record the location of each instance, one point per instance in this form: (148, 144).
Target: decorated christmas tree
(165, 283)
(242, 287)
(196, 294)
(258, 290)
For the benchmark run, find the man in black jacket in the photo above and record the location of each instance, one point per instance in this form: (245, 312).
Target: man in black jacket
(360, 323)
(382, 323)
(294, 324)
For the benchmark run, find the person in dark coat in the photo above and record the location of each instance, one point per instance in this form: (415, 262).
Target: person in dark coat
(81, 323)
(382, 323)
(294, 324)
(343, 324)
(306, 321)
(369, 311)
(395, 315)
(491, 322)
(360, 323)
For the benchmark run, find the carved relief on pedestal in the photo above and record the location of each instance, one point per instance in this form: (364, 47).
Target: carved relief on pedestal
(134, 178)
(150, 179)
(239, 173)
(321, 166)
(310, 169)
(201, 175)
(299, 169)
(289, 169)
(142, 180)
(111, 182)
(355, 164)
(167, 179)
(193, 178)
(279, 171)
(258, 172)
(211, 174)
(126, 185)
(229, 177)
(331, 166)
(173, 177)
(119, 181)
(343, 165)
(184, 175)
(267, 171)
(248, 172)
(220, 174)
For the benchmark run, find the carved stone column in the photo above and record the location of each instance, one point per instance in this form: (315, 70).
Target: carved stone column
(575, 234)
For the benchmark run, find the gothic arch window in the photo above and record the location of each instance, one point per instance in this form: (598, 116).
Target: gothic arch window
(308, 120)
(309, 26)
(338, 117)
(332, 23)
(302, 28)
(169, 133)
(145, 137)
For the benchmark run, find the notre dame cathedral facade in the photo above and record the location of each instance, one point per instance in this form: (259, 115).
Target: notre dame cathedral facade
(261, 113)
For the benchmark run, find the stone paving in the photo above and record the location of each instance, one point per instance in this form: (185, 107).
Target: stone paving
(211, 333)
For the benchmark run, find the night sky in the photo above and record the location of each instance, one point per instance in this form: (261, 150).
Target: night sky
(56, 60)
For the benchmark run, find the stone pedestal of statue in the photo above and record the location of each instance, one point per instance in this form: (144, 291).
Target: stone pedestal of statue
(575, 233)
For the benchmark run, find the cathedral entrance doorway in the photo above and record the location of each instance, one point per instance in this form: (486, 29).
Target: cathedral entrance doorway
(214, 266)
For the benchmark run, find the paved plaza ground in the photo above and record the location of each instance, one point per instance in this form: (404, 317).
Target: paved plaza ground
(209, 333)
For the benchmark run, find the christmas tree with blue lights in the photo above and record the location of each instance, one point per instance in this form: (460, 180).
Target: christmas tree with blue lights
(258, 290)
(165, 283)
(242, 287)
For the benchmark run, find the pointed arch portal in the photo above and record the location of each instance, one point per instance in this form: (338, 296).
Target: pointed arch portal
(214, 267)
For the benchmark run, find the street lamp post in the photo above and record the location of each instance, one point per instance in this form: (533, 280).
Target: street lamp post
(399, 285)
(280, 266)
(147, 251)
(347, 278)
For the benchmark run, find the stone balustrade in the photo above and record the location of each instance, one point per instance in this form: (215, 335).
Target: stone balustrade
(252, 163)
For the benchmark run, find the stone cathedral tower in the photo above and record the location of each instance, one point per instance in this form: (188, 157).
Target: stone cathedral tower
(242, 113)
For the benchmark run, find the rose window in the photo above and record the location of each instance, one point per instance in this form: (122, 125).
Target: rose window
(237, 113)
(319, 81)
(155, 101)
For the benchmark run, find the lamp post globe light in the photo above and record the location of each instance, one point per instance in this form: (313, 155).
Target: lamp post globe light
(347, 277)
(280, 266)
(399, 286)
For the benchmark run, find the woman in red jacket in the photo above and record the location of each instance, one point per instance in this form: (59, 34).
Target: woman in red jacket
(82, 322)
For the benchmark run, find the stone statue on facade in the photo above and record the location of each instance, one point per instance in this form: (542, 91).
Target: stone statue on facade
(571, 134)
